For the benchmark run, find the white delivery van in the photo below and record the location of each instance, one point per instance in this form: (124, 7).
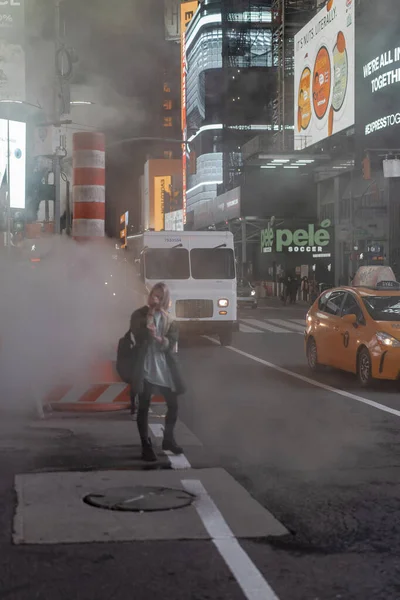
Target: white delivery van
(199, 269)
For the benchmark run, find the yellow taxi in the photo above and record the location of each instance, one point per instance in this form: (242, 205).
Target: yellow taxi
(357, 328)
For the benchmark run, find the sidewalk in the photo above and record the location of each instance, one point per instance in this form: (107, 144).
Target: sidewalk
(168, 502)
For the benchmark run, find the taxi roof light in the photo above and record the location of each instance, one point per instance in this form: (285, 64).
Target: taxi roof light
(376, 277)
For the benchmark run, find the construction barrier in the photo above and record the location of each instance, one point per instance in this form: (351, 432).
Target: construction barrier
(90, 398)
(108, 394)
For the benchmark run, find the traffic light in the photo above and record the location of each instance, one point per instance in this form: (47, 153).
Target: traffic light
(124, 219)
(367, 168)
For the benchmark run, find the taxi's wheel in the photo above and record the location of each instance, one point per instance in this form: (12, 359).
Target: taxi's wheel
(364, 368)
(312, 355)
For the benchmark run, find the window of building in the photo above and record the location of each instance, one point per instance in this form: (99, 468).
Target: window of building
(327, 211)
(167, 104)
(167, 121)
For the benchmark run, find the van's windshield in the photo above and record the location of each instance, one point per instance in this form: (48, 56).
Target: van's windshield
(163, 263)
(205, 263)
(212, 263)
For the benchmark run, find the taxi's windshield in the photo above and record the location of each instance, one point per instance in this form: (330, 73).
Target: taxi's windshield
(383, 308)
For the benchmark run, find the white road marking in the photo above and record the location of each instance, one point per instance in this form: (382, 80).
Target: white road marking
(157, 430)
(289, 325)
(177, 462)
(299, 322)
(247, 329)
(249, 578)
(265, 326)
(111, 393)
(74, 395)
(313, 382)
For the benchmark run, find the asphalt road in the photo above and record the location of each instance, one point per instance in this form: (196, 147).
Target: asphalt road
(325, 464)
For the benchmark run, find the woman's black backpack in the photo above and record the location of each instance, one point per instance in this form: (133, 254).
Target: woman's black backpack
(126, 357)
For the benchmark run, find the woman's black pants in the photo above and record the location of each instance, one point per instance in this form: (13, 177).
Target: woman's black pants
(171, 399)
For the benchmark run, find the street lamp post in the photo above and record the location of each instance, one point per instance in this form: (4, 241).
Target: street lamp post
(8, 205)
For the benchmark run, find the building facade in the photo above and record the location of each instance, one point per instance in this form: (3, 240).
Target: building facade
(228, 93)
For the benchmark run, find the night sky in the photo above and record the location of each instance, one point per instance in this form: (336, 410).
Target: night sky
(121, 54)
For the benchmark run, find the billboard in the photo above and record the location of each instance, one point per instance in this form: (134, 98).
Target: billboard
(188, 10)
(174, 221)
(12, 50)
(315, 241)
(324, 71)
(17, 133)
(378, 75)
(162, 186)
(171, 17)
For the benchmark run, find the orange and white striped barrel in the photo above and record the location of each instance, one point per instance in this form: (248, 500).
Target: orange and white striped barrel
(104, 393)
(89, 185)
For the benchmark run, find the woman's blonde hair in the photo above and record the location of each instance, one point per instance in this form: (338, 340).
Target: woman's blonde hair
(166, 297)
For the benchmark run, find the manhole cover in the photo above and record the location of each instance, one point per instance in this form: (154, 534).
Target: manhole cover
(140, 498)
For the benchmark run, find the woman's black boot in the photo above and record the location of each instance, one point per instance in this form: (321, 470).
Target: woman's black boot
(148, 453)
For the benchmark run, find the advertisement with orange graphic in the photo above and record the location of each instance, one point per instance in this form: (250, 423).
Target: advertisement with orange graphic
(321, 82)
(304, 100)
(324, 74)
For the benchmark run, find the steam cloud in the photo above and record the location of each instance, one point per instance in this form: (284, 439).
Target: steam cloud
(57, 319)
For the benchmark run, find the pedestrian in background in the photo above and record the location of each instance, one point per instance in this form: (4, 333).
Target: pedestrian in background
(314, 291)
(305, 288)
(156, 367)
(293, 287)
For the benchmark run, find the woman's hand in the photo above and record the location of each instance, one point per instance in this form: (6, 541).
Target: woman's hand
(152, 329)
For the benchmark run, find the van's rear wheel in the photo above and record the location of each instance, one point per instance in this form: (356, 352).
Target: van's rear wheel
(225, 337)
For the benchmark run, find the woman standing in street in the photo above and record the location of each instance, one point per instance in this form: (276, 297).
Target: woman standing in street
(156, 367)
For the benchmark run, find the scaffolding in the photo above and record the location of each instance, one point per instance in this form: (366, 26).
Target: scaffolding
(288, 17)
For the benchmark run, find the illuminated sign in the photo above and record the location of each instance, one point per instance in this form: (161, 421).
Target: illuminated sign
(171, 13)
(17, 161)
(188, 10)
(12, 50)
(174, 221)
(162, 185)
(382, 72)
(378, 75)
(312, 240)
(324, 74)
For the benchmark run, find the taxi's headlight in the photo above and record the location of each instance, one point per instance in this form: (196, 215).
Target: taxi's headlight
(223, 302)
(387, 340)
(253, 292)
